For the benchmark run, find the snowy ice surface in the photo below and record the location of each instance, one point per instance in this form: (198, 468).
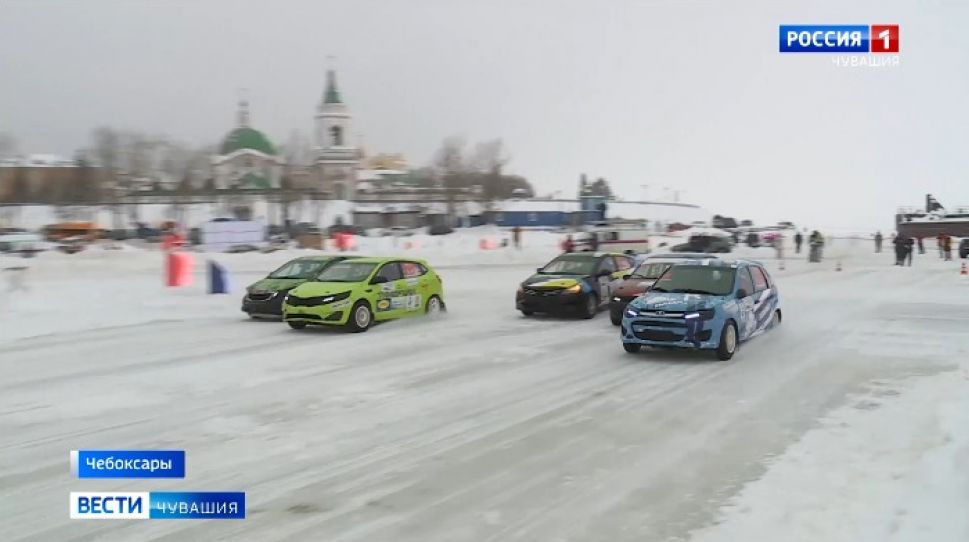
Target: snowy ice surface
(849, 422)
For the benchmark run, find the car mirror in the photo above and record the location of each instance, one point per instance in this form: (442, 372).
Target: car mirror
(626, 277)
(379, 280)
(538, 269)
(741, 293)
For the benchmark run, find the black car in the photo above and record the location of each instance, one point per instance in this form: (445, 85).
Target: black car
(704, 243)
(964, 248)
(264, 298)
(573, 283)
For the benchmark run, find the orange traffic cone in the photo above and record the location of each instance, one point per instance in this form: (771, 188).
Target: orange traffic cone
(964, 271)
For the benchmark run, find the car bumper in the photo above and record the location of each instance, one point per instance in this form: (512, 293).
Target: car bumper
(272, 307)
(550, 303)
(331, 314)
(675, 333)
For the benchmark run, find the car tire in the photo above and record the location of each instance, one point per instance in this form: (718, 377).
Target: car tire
(433, 306)
(591, 306)
(631, 348)
(776, 319)
(728, 341)
(361, 317)
(526, 313)
(615, 318)
(296, 325)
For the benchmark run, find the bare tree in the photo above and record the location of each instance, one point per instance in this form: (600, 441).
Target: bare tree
(489, 160)
(451, 169)
(107, 150)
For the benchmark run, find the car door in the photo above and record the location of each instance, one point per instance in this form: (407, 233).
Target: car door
(765, 297)
(389, 304)
(745, 305)
(416, 286)
(604, 278)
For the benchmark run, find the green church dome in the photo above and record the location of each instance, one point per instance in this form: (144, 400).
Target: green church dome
(244, 137)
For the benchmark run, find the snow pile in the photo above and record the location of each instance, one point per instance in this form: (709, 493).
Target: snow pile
(889, 467)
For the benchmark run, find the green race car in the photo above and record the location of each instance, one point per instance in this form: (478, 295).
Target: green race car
(357, 292)
(264, 298)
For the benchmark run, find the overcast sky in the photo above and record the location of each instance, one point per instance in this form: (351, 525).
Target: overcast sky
(691, 95)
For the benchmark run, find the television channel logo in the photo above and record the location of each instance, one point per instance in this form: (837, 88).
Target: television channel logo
(109, 505)
(158, 505)
(875, 38)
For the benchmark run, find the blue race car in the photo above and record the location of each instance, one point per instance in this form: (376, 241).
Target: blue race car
(708, 304)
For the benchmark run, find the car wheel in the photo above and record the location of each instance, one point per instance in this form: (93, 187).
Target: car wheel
(591, 306)
(728, 341)
(296, 325)
(775, 319)
(526, 313)
(615, 318)
(631, 348)
(361, 317)
(434, 306)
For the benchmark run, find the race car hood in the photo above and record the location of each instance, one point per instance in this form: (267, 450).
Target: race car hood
(664, 301)
(274, 285)
(314, 289)
(632, 287)
(551, 282)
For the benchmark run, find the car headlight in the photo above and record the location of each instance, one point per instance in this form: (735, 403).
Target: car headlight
(574, 289)
(617, 300)
(632, 313)
(336, 297)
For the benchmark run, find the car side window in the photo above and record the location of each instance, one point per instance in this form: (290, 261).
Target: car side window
(746, 283)
(412, 270)
(390, 271)
(623, 263)
(760, 281)
(607, 265)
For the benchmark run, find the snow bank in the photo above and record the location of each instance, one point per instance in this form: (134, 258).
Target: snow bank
(888, 467)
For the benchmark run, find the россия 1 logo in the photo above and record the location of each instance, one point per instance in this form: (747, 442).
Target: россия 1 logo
(876, 38)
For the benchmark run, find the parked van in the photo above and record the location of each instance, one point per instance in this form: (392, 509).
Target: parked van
(627, 240)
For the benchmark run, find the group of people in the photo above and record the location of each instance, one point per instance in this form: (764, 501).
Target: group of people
(905, 247)
(815, 245)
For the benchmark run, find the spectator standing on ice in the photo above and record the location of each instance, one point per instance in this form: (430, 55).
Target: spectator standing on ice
(921, 246)
(516, 235)
(899, 243)
(948, 248)
(909, 249)
(798, 239)
(940, 241)
(594, 242)
(778, 242)
(878, 241)
(815, 242)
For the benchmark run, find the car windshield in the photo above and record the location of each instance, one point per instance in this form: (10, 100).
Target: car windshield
(347, 272)
(650, 270)
(298, 269)
(569, 265)
(696, 279)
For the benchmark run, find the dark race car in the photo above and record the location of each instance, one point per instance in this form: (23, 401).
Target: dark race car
(573, 283)
(704, 243)
(634, 284)
(264, 298)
